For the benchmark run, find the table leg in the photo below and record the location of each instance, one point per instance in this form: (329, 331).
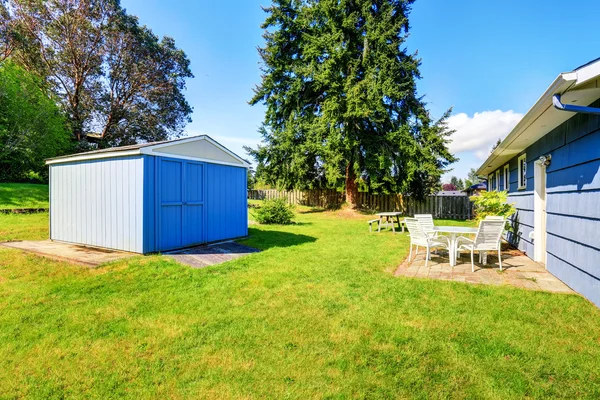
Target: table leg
(452, 251)
(379, 225)
(393, 223)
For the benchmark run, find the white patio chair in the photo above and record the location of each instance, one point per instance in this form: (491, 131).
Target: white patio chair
(426, 221)
(487, 239)
(483, 257)
(419, 237)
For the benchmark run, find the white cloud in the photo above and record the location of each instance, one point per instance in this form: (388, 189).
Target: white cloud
(478, 133)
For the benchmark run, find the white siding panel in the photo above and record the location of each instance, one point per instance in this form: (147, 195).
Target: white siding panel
(98, 203)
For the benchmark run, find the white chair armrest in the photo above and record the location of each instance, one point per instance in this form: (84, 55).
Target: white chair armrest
(464, 239)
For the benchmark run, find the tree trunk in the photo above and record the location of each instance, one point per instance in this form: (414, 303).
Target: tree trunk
(351, 186)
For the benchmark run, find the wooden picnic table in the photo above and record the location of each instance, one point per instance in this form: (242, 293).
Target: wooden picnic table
(389, 220)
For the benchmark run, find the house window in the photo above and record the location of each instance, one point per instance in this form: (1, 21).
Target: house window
(523, 172)
(506, 178)
(490, 184)
(498, 179)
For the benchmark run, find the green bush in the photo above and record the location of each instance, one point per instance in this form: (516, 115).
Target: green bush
(492, 203)
(275, 211)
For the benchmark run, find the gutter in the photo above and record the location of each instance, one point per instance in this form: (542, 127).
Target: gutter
(573, 108)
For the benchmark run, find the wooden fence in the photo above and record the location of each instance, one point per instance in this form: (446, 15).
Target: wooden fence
(451, 207)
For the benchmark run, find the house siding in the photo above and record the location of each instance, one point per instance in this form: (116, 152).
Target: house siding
(572, 202)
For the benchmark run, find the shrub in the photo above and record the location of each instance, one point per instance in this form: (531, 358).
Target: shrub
(492, 203)
(275, 211)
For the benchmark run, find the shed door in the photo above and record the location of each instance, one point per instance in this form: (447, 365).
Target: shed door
(193, 223)
(181, 203)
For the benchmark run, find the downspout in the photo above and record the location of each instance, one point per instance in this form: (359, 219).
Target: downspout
(573, 108)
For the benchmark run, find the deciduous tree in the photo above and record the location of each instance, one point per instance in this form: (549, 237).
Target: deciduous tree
(342, 105)
(32, 127)
(112, 76)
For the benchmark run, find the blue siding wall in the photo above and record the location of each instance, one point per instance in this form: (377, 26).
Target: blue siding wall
(227, 202)
(219, 211)
(572, 203)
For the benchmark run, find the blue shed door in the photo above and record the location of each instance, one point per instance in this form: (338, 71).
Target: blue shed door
(193, 222)
(181, 203)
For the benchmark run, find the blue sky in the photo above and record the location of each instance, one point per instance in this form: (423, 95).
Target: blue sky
(489, 60)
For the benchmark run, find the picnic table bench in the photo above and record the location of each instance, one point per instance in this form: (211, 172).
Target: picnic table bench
(387, 219)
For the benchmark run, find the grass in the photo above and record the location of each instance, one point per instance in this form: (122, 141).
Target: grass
(24, 226)
(316, 314)
(23, 195)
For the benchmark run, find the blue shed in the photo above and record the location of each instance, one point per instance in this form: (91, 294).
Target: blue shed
(550, 165)
(149, 197)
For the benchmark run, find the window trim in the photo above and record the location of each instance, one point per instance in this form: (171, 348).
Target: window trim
(490, 186)
(522, 185)
(506, 178)
(497, 180)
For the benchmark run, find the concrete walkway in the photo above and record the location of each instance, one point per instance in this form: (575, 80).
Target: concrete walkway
(73, 253)
(518, 271)
(195, 257)
(204, 256)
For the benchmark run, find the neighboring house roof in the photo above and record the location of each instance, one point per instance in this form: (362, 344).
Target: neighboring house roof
(201, 148)
(581, 86)
(477, 186)
(451, 193)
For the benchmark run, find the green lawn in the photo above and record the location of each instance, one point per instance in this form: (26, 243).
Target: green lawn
(317, 314)
(24, 226)
(23, 195)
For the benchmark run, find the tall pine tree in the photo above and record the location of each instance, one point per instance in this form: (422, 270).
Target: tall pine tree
(341, 101)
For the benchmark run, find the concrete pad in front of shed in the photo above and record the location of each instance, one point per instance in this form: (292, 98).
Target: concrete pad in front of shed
(204, 256)
(73, 253)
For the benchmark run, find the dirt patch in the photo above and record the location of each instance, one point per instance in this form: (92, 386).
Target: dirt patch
(510, 250)
(23, 210)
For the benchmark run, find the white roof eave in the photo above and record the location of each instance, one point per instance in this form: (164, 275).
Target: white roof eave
(154, 150)
(560, 85)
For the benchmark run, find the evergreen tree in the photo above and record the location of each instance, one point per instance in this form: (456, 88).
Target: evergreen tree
(495, 146)
(472, 178)
(457, 183)
(342, 106)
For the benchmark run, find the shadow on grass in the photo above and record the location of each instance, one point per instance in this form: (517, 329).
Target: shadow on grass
(264, 240)
(312, 211)
(23, 195)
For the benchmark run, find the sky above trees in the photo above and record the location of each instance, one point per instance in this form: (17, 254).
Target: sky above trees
(488, 60)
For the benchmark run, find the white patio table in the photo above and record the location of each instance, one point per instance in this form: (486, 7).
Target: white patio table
(453, 232)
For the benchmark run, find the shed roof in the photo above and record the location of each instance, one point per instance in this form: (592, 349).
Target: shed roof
(581, 86)
(198, 148)
(477, 186)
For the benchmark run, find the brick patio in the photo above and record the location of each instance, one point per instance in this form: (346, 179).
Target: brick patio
(518, 270)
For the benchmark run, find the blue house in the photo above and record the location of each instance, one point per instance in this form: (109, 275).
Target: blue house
(550, 165)
(149, 197)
